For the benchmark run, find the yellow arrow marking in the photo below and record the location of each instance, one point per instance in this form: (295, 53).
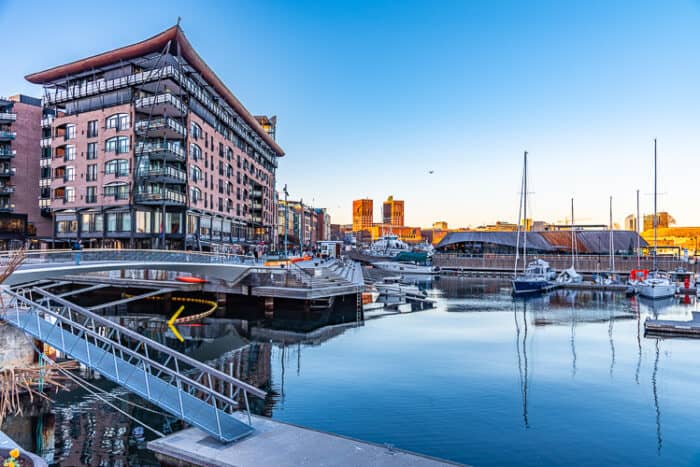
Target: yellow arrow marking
(171, 322)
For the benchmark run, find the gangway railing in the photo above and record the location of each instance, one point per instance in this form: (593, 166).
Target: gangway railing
(189, 390)
(105, 255)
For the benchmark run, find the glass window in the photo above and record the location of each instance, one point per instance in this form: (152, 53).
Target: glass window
(91, 194)
(191, 224)
(195, 173)
(118, 167)
(195, 194)
(91, 174)
(69, 174)
(143, 222)
(195, 130)
(70, 131)
(118, 144)
(92, 151)
(92, 129)
(117, 191)
(195, 152)
(70, 194)
(118, 121)
(70, 153)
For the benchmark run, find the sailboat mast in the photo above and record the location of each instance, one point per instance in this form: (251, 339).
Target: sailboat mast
(573, 236)
(525, 211)
(612, 241)
(638, 230)
(655, 220)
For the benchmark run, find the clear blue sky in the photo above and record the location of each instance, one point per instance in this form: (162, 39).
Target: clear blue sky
(371, 96)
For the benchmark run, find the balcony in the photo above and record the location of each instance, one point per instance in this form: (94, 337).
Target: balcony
(7, 117)
(45, 142)
(7, 207)
(163, 127)
(162, 104)
(161, 151)
(164, 175)
(167, 197)
(7, 153)
(7, 135)
(47, 121)
(6, 190)
(7, 171)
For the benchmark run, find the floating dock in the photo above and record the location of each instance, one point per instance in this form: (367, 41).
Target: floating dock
(278, 444)
(660, 327)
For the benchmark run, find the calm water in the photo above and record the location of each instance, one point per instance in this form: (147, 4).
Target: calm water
(565, 379)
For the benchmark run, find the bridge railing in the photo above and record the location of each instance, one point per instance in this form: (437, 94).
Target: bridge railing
(104, 254)
(119, 344)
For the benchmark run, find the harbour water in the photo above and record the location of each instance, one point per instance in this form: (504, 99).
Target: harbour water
(564, 379)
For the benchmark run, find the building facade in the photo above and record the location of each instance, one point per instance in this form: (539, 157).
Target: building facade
(20, 132)
(149, 149)
(392, 212)
(305, 225)
(362, 214)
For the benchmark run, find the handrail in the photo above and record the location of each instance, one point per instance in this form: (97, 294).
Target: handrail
(125, 254)
(138, 337)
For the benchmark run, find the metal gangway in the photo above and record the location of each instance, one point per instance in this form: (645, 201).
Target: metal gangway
(189, 390)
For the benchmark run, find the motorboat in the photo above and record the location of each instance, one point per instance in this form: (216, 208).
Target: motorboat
(537, 277)
(388, 246)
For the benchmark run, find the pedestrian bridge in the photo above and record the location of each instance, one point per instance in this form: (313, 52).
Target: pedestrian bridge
(309, 280)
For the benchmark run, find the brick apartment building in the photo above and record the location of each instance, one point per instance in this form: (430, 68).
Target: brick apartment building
(148, 148)
(20, 130)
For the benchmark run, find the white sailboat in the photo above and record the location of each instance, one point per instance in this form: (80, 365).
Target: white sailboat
(657, 284)
(570, 276)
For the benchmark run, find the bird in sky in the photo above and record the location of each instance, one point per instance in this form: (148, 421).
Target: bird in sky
(431, 172)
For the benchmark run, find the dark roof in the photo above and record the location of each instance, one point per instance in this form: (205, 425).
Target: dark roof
(587, 241)
(534, 239)
(153, 44)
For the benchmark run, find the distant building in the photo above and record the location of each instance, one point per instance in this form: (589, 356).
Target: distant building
(362, 214)
(304, 224)
(631, 222)
(392, 212)
(663, 220)
(20, 153)
(440, 225)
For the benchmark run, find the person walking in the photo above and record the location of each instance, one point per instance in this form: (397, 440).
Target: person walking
(77, 247)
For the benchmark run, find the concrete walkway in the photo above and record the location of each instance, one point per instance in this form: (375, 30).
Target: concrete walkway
(277, 444)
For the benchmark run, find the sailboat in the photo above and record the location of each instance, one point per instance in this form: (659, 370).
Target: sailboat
(570, 275)
(536, 276)
(657, 284)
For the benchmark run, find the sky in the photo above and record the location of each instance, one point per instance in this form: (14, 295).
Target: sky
(373, 96)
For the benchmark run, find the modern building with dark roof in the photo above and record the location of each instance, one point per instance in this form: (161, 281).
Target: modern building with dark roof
(586, 241)
(149, 148)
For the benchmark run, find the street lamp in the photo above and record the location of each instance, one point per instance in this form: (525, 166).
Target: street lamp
(301, 225)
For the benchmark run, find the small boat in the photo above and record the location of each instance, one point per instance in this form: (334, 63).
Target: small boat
(388, 246)
(569, 276)
(536, 278)
(191, 280)
(656, 285)
(406, 268)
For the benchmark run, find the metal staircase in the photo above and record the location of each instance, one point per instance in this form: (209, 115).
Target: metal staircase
(190, 390)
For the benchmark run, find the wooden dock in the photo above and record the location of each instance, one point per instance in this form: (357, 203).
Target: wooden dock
(661, 327)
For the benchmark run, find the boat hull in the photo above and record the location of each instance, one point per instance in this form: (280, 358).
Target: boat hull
(530, 286)
(656, 290)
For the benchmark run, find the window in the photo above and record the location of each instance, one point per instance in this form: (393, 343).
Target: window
(118, 122)
(118, 144)
(46, 153)
(91, 195)
(69, 174)
(195, 194)
(70, 132)
(206, 161)
(195, 152)
(92, 129)
(91, 222)
(229, 170)
(119, 222)
(221, 149)
(91, 174)
(92, 151)
(69, 195)
(229, 188)
(221, 204)
(195, 173)
(118, 191)
(143, 222)
(66, 227)
(69, 154)
(221, 186)
(195, 130)
(221, 168)
(118, 167)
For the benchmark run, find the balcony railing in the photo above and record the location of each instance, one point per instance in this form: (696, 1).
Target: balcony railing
(7, 153)
(7, 171)
(7, 135)
(8, 117)
(161, 104)
(165, 127)
(167, 151)
(164, 172)
(7, 190)
(45, 142)
(7, 207)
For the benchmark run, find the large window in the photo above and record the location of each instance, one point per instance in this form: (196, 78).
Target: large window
(118, 121)
(195, 152)
(70, 153)
(119, 222)
(195, 173)
(69, 195)
(91, 174)
(195, 194)
(91, 222)
(91, 194)
(92, 129)
(195, 130)
(118, 167)
(117, 190)
(70, 131)
(118, 144)
(66, 226)
(143, 222)
(69, 174)
(92, 151)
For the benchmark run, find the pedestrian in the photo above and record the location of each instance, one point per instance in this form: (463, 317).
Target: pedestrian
(77, 247)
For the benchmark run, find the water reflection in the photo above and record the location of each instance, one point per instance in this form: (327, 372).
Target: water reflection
(522, 355)
(659, 441)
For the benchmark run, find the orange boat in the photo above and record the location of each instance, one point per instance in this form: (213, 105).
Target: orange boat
(191, 280)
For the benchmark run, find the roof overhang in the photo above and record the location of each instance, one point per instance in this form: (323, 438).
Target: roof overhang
(157, 43)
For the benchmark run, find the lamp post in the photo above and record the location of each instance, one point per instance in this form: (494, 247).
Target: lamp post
(301, 225)
(286, 220)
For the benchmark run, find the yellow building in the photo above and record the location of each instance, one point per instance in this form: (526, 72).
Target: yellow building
(406, 234)
(362, 214)
(392, 212)
(663, 220)
(674, 239)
